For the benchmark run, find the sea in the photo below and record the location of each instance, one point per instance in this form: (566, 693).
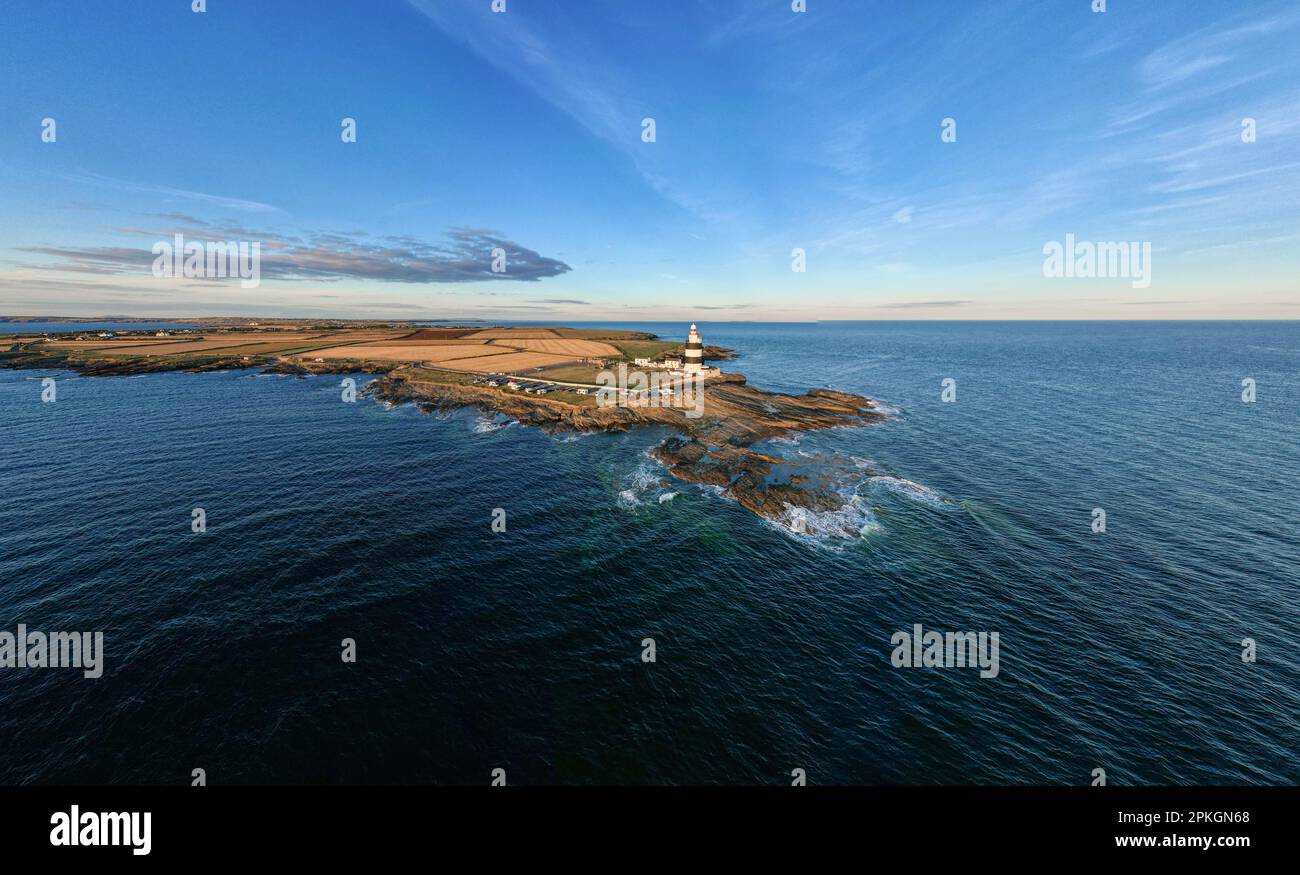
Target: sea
(627, 628)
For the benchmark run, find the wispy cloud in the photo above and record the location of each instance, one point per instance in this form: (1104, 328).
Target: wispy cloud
(1207, 49)
(561, 62)
(162, 191)
(466, 256)
(924, 305)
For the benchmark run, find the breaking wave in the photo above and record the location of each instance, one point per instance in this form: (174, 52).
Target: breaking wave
(570, 437)
(908, 489)
(643, 480)
(851, 521)
(489, 424)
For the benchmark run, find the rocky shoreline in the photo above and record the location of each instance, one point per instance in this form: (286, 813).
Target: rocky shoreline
(713, 448)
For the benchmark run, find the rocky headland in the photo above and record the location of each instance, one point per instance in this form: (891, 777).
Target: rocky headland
(713, 443)
(713, 448)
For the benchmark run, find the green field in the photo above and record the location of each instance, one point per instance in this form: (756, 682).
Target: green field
(574, 373)
(572, 398)
(634, 349)
(430, 375)
(598, 334)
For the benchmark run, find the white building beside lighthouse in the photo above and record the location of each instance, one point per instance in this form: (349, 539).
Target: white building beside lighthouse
(694, 357)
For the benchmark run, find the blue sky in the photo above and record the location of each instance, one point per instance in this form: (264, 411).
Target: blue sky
(774, 130)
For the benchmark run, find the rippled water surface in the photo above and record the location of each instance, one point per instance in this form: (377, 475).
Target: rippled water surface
(523, 649)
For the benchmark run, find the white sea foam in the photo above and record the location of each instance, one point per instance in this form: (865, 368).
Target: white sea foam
(569, 437)
(487, 424)
(667, 496)
(850, 521)
(908, 489)
(644, 479)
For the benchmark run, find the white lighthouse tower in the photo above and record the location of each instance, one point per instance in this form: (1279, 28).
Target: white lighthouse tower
(694, 357)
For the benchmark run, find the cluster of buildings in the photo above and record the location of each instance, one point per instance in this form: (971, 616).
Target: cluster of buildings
(529, 387)
(692, 361)
(670, 363)
(109, 335)
(690, 364)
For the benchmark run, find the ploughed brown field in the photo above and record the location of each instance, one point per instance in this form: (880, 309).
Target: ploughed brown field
(437, 334)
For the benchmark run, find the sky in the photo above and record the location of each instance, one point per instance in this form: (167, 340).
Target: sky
(525, 132)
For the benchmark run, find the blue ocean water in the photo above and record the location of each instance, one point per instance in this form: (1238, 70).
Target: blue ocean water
(522, 650)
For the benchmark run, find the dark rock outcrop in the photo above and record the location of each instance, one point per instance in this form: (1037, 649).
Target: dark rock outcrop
(711, 449)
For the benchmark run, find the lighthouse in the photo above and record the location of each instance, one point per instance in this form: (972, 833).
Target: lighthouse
(694, 357)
